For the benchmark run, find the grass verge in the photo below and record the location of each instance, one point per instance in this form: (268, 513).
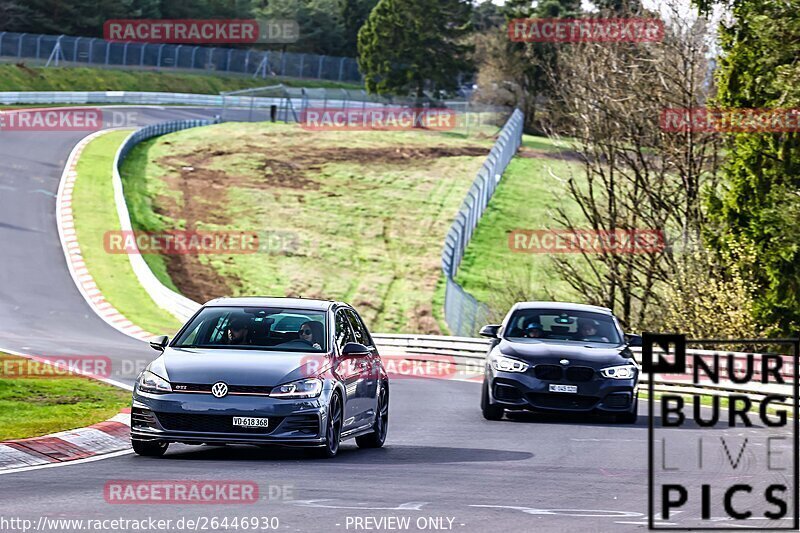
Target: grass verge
(95, 214)
(526, 198)
(24, 78)
(37, 405)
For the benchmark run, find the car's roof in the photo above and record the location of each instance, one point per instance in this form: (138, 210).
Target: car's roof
(562, 306)
(263, 301)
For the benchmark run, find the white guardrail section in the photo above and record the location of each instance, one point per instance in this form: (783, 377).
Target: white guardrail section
(467, 354)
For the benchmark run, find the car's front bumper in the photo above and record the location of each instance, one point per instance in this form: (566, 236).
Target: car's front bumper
(193, 418)
(523, 391)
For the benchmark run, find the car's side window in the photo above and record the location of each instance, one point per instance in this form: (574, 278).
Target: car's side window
(359, 329)
(343, 333)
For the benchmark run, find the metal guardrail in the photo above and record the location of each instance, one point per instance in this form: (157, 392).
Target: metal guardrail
(463, 313)
(77, 51)
(469, 353)
(176, 304)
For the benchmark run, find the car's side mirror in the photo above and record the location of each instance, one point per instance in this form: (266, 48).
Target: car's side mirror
(159, 343)
(354, 349)
(490, 330)
(633, 340)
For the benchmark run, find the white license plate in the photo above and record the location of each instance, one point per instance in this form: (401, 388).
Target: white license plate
(247, 422)
(555, 387)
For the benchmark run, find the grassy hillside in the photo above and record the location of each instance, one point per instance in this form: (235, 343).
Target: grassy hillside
(25, 78)
(526, 198)
(357, 216)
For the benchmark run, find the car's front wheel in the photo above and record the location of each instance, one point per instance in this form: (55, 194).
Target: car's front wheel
(490, 412)
(333, 431)
(149, 448)
(381, 425)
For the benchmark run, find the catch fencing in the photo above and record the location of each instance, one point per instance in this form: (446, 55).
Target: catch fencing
(76, 51)
(463, 313)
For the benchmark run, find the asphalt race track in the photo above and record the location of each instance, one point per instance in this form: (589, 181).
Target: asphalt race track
(444, 466)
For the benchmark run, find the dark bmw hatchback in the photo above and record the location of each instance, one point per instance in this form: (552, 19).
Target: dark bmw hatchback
(264, 371)
(549, 356)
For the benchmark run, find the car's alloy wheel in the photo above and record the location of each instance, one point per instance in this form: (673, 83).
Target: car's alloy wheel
(381, 426)
(490, 412)
(333, 431)
(152, 448)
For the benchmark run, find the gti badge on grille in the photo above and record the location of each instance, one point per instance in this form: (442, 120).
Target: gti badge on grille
(564, 362)
(219, 389)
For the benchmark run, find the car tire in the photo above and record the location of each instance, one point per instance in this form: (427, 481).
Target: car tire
(490, 412)
(149, 448)
(381, 426)
(632, 416)
(333, 430)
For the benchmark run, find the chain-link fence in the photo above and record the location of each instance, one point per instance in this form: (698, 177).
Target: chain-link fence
(63, 49)
(286, 104)
(463, 313)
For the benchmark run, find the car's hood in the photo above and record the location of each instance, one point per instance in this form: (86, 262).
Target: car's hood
(596, 355)
(236, 367)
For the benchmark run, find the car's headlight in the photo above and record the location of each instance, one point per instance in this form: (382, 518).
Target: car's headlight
(304, 388)
(619, 372)
(506, 364)
(149, 382)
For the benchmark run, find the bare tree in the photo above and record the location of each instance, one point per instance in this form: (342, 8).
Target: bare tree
(636, 174)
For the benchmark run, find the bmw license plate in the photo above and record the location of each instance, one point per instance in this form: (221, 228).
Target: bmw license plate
(248, 422)
(555, 387)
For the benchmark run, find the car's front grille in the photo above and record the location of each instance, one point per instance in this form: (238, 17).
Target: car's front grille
(561, 401)
(142, 417)
(580, 373)
(205, 388)
(618, 400)
(548, 372)
(506, 392)
(211, 423)
(305, 424)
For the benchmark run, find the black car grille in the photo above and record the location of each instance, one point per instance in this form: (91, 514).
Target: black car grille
(580, 373)
(232, 389)
(210, 423)
(506, 392)
(548, 372)
(618, 400)
(305, 424)
(561, 401)
(142, 417)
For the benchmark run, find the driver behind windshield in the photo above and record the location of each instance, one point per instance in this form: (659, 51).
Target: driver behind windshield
(238, 331)
(534, 330)
(311, 332)
(588, 330)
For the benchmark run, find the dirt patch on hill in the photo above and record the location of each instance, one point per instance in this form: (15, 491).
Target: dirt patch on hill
(203, 199)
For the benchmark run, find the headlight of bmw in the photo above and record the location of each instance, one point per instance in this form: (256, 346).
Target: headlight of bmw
(507, 364)
(304, 388)
(149, 382)
(619, 372)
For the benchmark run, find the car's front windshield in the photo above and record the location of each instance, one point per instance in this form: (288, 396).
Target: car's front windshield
(262, 328)
(563, 325)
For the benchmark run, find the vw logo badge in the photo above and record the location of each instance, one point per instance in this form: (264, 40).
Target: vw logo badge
(564, 362)
(219, 389)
